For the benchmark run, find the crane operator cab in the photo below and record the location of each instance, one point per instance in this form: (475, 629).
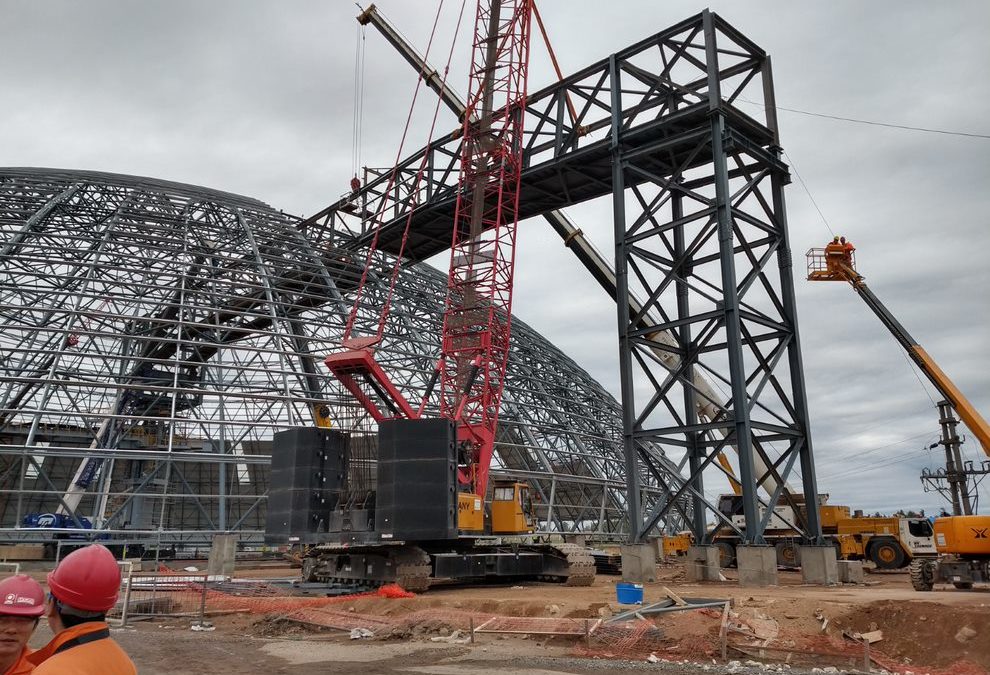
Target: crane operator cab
(512, 509)
(835, 262)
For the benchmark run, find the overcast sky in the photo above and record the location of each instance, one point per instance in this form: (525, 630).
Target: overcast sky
(258, 98)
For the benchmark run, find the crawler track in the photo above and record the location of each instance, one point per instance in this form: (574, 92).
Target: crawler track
(413, 567)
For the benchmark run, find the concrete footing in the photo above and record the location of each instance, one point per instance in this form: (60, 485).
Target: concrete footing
(577, 539)
(850, 571)
(222, 555)
(818, 565)
(657, 544)
(757, 565)
(701, 564)
(639, 563)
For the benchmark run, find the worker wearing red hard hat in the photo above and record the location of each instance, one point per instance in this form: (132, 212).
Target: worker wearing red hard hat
(22, 604)
(82, 589)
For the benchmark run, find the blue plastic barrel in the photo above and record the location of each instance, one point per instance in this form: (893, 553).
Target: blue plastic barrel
(629, 594)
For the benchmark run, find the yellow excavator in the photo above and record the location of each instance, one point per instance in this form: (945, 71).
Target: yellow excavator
(961, 541)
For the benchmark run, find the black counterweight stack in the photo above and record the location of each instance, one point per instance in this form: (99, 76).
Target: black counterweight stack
(309, 466)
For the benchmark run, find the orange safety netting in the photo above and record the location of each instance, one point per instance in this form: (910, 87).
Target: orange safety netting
(624, 640)
(171, 593)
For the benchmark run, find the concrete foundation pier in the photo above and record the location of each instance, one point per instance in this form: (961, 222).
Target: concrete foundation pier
(657, 544)
(639, 563)
(818, 565)
(576, 539)
(757, 565)
(702, 564)
(221, 561)
(850, 571)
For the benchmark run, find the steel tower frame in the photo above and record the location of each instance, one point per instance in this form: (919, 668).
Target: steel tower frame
(703, 237)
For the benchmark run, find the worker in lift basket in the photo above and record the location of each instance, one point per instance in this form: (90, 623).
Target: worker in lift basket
(833, 256)
(847, 252)
(22, 604)
(82, 589)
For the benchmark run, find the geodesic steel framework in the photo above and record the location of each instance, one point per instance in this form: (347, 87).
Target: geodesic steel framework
(154, 335)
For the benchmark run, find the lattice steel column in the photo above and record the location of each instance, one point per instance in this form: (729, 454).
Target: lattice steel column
(701, 236)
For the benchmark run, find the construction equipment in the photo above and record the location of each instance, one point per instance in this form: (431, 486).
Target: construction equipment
(961, 540)
(888, 542)
(963, 544)
(425, 518)
(836, 262)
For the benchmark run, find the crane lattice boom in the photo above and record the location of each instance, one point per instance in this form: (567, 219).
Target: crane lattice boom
(476, 323)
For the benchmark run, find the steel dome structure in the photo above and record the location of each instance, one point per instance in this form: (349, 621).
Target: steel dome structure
(154, 335)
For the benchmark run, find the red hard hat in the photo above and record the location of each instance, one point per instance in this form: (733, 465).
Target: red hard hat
(20, 595)
(87, 579)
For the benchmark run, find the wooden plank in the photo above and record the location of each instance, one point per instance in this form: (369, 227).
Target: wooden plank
(678, 600)
(723, 634)
(22, 552)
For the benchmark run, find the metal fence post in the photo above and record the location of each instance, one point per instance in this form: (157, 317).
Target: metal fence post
(202, 600)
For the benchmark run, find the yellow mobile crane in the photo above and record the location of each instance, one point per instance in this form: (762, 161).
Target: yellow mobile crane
(961, 540)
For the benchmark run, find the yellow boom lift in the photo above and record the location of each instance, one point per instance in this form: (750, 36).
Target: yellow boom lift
(962, 541)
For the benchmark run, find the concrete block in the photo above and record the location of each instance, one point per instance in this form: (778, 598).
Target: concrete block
(757, 565)
(702, 564)
(22, 552)
(137, 565)
(222, 553)
(639, 563)
(578, 539)
(818, 565)
(657, 544)
(850, 571)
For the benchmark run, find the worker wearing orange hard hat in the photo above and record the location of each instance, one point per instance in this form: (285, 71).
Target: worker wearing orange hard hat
(82, 589)
(833, 255)
(847, 251)
(22, 604)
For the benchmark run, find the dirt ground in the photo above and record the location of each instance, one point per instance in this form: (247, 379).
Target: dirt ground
(939, 633)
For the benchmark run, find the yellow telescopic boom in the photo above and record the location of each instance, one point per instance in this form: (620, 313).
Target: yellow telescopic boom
(835, 262)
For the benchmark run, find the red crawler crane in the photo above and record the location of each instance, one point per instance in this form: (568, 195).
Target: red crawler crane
(476, 326)
(431, 476)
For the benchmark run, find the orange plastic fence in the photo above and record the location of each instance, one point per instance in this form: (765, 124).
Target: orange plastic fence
(169, 593)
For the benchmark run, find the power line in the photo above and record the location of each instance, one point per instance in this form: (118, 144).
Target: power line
(869, 122)
(879, 464)
(883, 124)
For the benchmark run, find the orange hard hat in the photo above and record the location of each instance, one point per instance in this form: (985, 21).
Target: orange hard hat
(20, 595)
(87, 579)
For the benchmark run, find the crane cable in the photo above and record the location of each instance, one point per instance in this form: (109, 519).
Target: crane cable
(810, 196)
(383, 205)
(358, 114)
(556, 66)
(419, 176)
